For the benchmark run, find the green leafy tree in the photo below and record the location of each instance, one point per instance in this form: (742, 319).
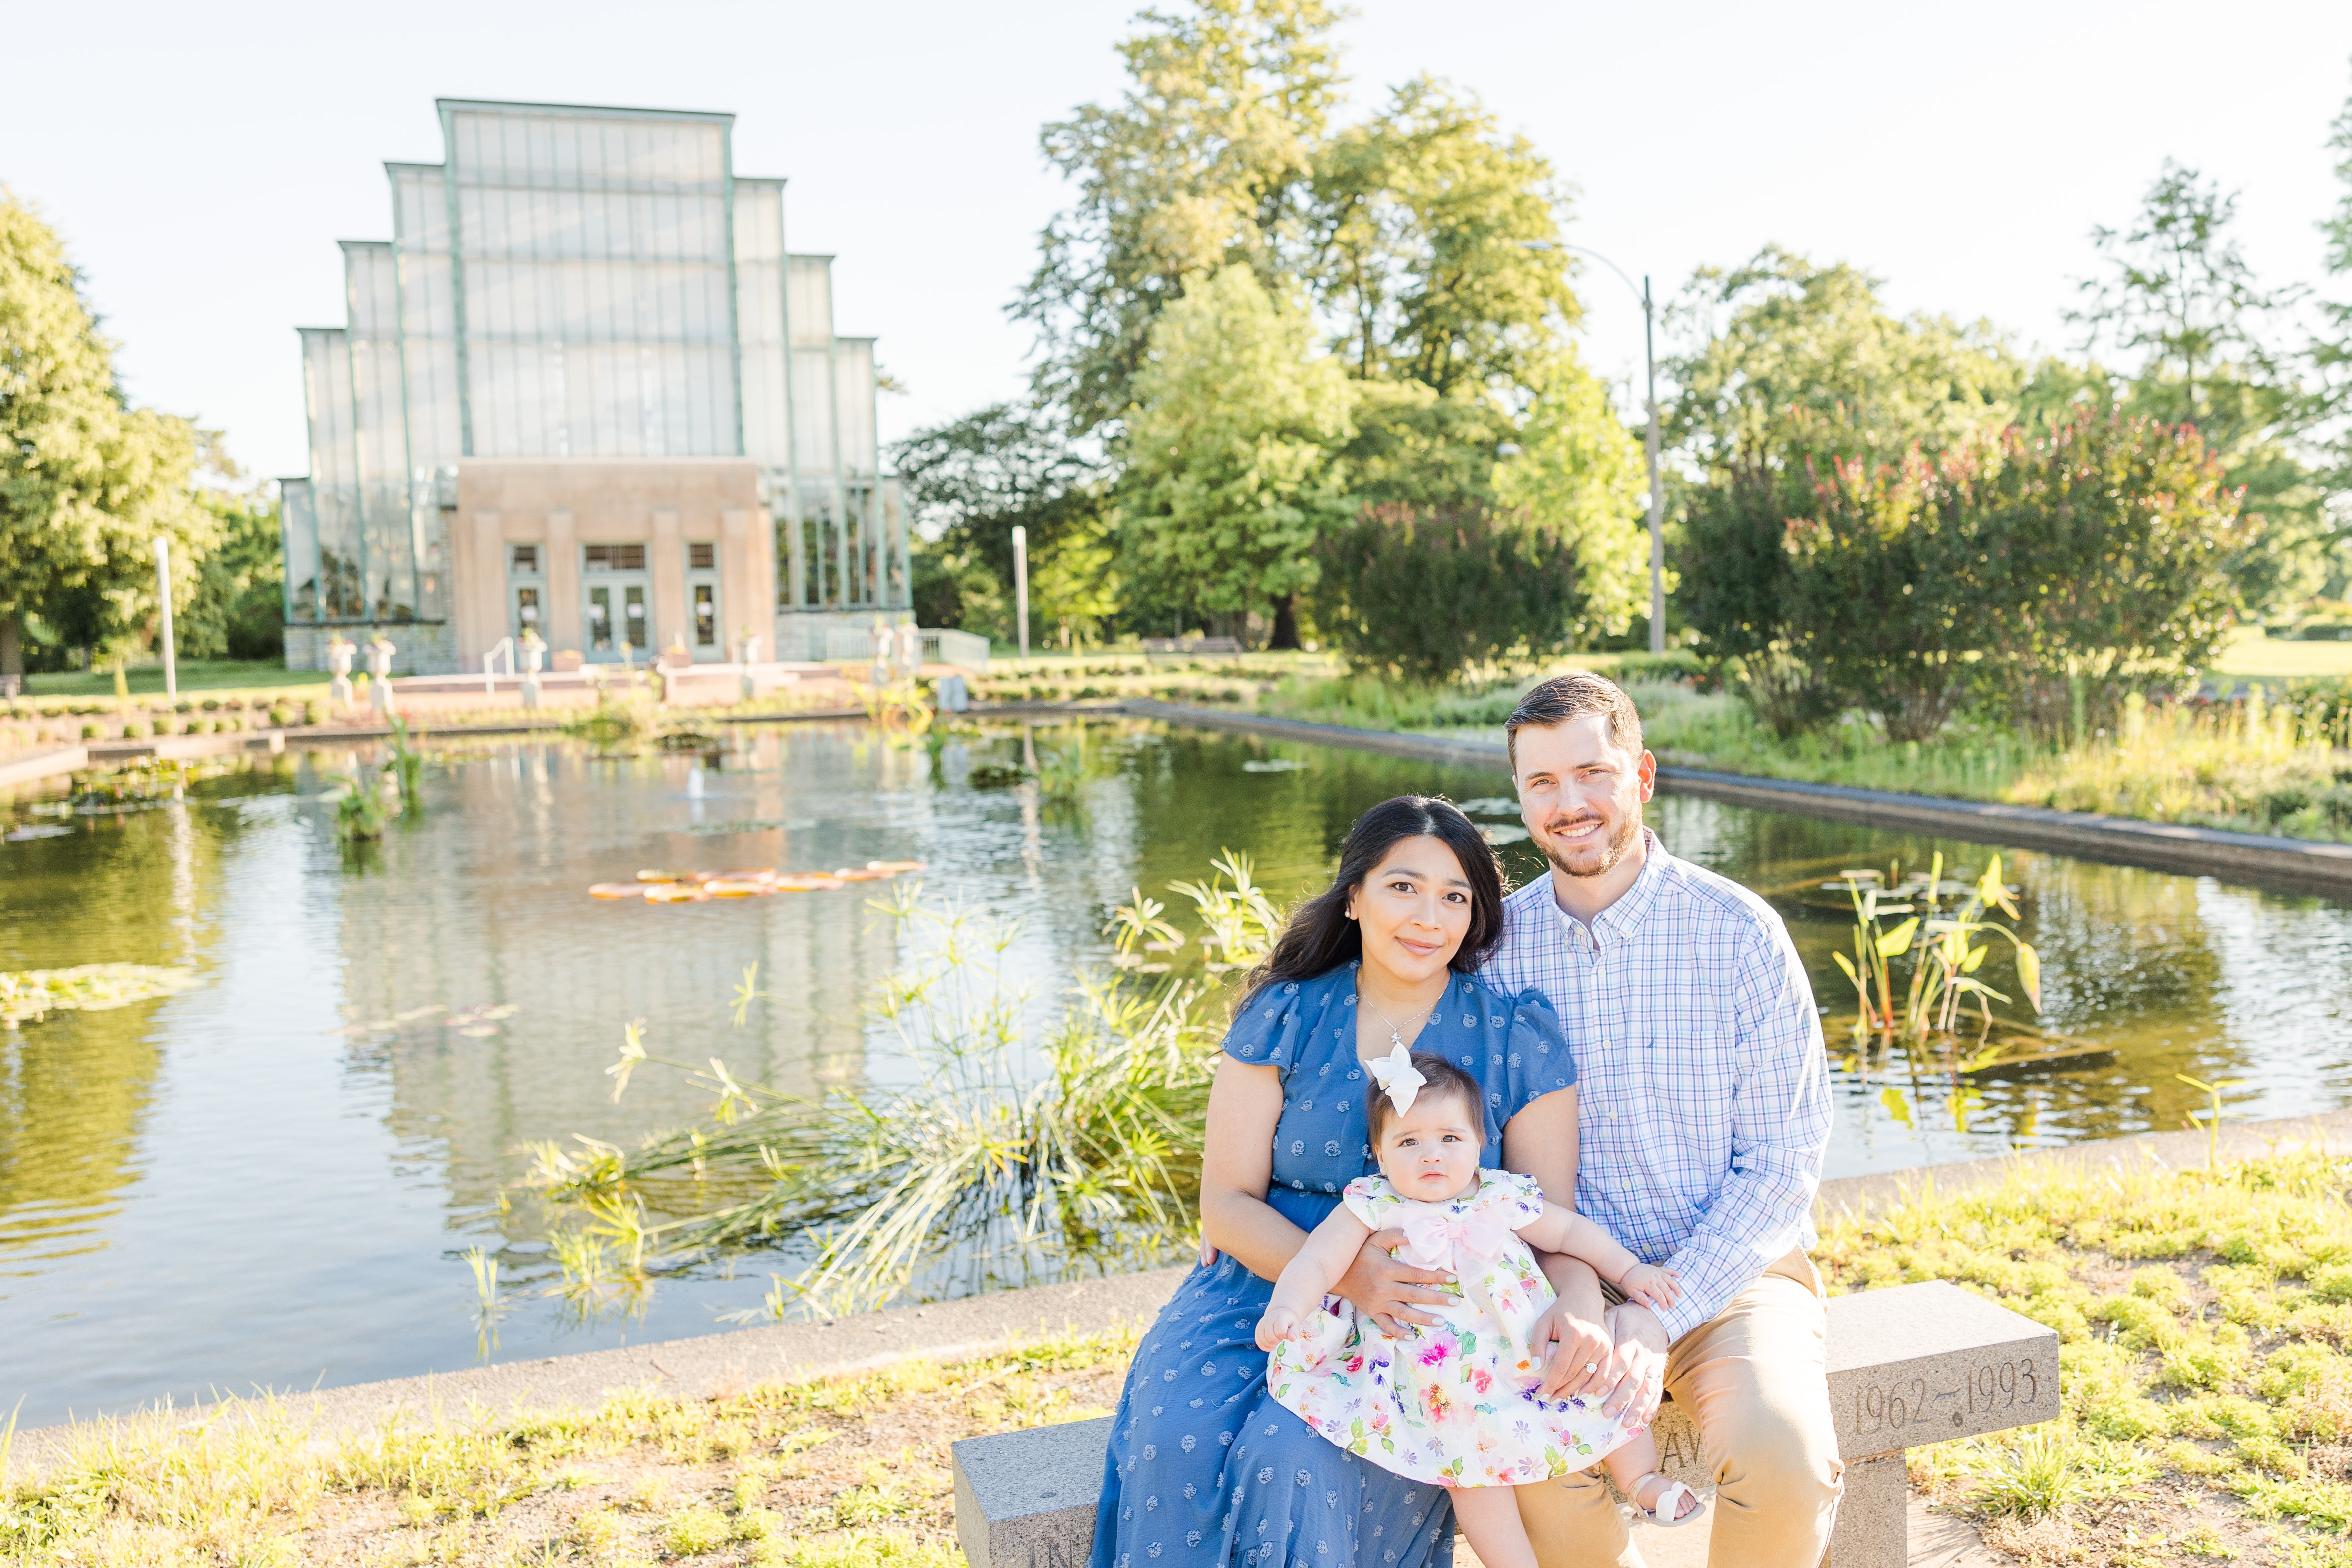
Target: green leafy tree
(970, 482)
(237, 604)
(2331, 353)
(1794, 360)
(1427, 594)
(2048, 573)
(2179, 303)
(1579, 480)
(1436, 248)
(1229, 477)
(85, 483)
(1742, 601)
(2120, 544)
(1203, 163)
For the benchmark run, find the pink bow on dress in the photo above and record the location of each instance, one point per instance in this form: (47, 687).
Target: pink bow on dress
(1433, 1238)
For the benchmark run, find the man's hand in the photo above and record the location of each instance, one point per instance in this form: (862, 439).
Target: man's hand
(1641, 1363)
(1578, 1357)
(1390, 1292)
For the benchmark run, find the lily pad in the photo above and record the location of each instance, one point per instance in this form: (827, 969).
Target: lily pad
(88, 987)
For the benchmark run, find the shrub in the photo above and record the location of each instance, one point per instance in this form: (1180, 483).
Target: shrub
(2055, 574)
(1427, 592)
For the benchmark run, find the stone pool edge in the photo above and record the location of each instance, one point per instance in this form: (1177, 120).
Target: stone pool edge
(2308, 865)
(713, 1365)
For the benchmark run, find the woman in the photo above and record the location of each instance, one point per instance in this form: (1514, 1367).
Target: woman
(1204, 1465)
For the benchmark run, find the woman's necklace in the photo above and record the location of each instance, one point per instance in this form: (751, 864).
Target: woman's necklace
(1396, 1032)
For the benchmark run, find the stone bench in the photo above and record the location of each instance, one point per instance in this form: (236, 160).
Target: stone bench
(1910, 1364)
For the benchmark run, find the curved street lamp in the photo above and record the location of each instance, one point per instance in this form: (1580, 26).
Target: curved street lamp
(1657, 496)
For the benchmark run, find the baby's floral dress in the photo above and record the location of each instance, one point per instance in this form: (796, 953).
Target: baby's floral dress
(1459, 1404)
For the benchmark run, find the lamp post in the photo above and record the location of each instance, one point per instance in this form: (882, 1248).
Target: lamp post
(1020, 584)
(163, 592)
(1650, 441)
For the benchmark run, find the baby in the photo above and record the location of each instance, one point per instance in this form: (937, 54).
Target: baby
(1460, 1404)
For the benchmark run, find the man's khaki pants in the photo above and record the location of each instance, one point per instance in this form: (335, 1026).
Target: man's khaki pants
(1755, 1380)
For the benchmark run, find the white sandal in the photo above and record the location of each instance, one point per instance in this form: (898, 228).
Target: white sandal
(1667, 1511)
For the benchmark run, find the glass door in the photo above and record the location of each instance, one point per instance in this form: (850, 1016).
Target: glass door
(616, 592)
(708, 632)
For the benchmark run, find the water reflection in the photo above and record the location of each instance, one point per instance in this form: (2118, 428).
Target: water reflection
(273, 1178)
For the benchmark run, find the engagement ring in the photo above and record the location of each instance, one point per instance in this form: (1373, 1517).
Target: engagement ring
(1591, 1368)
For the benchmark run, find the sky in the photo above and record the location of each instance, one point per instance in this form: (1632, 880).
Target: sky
(202, 161)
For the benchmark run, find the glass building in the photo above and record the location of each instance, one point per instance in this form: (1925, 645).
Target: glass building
(585, 390)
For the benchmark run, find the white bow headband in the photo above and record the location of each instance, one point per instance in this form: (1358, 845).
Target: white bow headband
(1398, 1079)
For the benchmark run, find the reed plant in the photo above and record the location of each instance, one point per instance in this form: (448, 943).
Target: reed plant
(1015, 1153)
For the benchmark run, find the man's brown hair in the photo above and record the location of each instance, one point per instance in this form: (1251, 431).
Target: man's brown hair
(1573, 696)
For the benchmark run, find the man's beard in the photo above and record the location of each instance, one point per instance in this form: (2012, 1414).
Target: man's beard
(1619, 845)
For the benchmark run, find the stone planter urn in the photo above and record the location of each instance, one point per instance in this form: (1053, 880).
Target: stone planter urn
(339, 666)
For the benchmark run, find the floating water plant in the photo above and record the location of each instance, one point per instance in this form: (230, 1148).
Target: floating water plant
(1015, 1153)
(407, 766)
(358, 811)
(751, 882)
(1945, 949)
(27, 993)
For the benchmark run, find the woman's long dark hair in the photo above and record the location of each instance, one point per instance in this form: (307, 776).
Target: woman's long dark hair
(1318, 937)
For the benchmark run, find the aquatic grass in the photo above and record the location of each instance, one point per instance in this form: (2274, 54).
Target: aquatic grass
(1015, 1154)
(26, 995)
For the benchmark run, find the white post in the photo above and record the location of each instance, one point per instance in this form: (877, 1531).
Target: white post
(1020, 584)
(164, 592)
(1657, 496)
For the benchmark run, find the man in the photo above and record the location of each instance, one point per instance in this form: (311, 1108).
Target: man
(1703, 1112)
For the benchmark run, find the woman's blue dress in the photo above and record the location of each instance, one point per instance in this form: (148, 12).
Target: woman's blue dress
(1204, 1467)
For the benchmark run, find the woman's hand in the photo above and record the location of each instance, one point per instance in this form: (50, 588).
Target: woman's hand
(1390, 1292)
(1578, 1356)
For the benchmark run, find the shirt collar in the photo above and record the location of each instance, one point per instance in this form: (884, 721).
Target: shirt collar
(1621, 919)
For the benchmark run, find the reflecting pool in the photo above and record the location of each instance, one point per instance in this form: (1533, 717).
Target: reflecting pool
(275, 1179)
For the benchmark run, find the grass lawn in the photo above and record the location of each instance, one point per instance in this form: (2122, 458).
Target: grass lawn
(2205, 1318)
(2251, 656)
(211, 676)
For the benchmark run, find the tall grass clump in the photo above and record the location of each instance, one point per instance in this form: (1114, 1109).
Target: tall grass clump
(1015, 1152)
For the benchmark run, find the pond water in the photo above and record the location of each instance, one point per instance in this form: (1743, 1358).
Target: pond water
(274, 1178)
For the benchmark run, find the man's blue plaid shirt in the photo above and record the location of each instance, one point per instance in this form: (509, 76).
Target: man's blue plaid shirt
(1704, 1102)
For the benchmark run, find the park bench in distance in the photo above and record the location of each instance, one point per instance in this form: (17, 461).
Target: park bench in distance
(1178, 647)
(1909, 1365)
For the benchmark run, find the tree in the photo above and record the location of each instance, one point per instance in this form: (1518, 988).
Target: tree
(85, 483)
(970, 483)
(1228, 479)
(1743, 602)
(1579, 480)
(1807, 361)
(2047, 573)
(237, 604)
(2179, 303)
(1429, 594)
(1436, 246)
(1204, 164)
(2331, 353)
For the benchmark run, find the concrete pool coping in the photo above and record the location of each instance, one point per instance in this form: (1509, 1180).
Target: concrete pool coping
(2303, 864)
(714, 1365)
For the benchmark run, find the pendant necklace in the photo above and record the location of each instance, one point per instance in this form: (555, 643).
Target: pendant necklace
(1396, 1034)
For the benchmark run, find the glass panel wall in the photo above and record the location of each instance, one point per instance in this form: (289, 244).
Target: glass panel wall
(428, 357)
(380, 445)
(594, 275)
(760, 319)
(299, 526)
(334, 474)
